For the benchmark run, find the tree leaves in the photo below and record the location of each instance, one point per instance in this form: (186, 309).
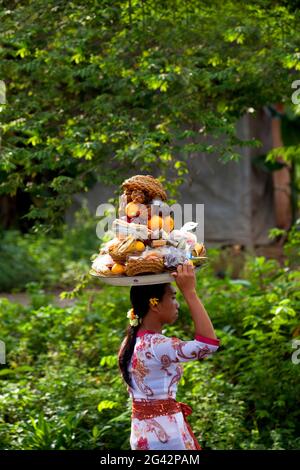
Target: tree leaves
(98, 85)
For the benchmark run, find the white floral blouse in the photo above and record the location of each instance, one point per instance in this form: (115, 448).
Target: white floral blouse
(155, 371)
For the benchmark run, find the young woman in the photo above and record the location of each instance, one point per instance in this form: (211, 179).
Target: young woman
(150, 362)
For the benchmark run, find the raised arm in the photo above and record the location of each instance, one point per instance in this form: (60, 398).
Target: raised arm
(186, 281)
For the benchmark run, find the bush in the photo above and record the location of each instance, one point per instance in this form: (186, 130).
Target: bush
(61, 389)
(50, 261)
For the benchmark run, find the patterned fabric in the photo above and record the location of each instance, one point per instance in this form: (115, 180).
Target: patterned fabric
(155, 371)
(148, 409)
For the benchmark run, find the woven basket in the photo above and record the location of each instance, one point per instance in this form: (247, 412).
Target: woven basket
(122, 249)
(113, 251)
(120, 259)
(103, 271)
(146, 184)
(144, 266)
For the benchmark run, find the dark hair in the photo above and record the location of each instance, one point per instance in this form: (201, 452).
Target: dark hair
(139, 297)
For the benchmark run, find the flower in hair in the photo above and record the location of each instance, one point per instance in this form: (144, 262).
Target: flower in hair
(153, 301)
(133, 318)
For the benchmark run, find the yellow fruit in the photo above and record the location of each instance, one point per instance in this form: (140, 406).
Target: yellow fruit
(199, 249)
(132, 209)
(198, 246)
(168, 224)
(155, 223)
(139, 246)
(118, 269)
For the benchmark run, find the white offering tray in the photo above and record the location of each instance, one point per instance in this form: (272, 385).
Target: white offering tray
(141, 280)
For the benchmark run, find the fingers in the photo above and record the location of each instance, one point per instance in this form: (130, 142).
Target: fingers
(191, 267)
(182, 269)
(188, 267)
(185, 268)
(179, 268)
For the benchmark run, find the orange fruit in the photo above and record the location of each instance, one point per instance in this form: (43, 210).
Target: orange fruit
(139, 246)
(132, 209)
(118, 268)
(153, 254)
(155, 223)
(168, 224)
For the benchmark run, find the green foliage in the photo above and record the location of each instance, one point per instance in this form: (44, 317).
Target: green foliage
(97, 89)
(47, 260)
(63, 397)
(16, 266)
(61, 388)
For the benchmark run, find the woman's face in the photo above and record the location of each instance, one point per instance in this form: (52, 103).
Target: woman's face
(169, 306)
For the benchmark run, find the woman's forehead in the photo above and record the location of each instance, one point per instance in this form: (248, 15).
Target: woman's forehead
(171, 290)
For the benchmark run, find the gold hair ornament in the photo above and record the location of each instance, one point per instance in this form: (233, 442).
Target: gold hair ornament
(153, 301)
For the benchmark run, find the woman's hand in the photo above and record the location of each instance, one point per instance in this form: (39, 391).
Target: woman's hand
(185, 278)
(186, 281)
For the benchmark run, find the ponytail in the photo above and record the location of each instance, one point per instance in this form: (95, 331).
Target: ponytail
(126, 352)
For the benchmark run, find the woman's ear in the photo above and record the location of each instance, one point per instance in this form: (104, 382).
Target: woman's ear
(156, 308)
